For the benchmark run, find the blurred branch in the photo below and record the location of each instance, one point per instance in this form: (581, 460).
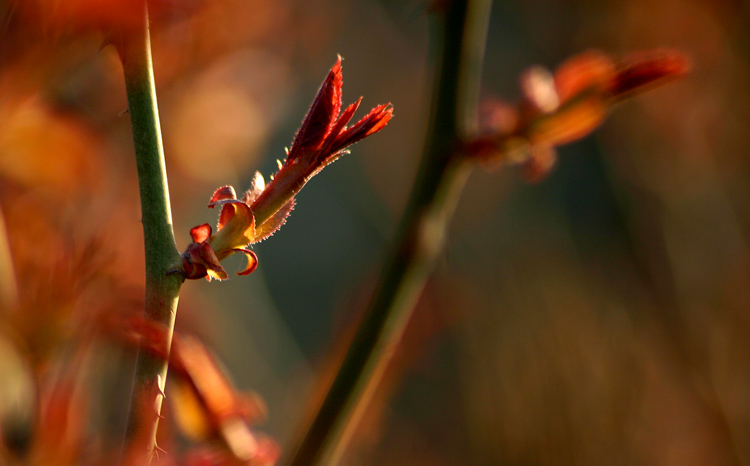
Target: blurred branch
(162, 288)
(459, 35)
(8, 285)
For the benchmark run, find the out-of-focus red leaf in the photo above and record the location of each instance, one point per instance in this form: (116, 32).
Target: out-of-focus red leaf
(559, 109)
(640, 71)
(588, 70)
(61, 426)
(207, 403)
(44, 150)
(573, 120)
(538, 87)
(267, 455)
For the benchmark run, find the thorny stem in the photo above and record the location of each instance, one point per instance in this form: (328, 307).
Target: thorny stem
(162, 289)
(442, 175)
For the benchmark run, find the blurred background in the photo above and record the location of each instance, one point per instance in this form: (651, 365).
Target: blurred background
(600, 316)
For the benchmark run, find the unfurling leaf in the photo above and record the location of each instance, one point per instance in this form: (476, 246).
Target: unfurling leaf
(322, 138)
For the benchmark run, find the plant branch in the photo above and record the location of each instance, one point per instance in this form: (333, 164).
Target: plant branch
(162, 289)
(8, 284)
(460, 36)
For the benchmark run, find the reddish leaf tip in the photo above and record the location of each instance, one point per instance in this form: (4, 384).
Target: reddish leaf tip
(336, 68)
(221, 194)
(321, 117)
(641, 70)
(252, 262)
(382, 114)
(201, 233)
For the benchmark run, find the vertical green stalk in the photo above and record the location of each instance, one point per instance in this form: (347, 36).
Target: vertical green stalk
(460, 37)
(162, 289)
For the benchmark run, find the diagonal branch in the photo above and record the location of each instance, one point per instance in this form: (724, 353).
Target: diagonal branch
(460, 38)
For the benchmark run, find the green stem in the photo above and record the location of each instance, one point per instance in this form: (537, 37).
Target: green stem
(442, 175)
(162, 289)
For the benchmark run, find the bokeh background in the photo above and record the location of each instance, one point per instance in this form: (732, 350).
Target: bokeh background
(601, 316)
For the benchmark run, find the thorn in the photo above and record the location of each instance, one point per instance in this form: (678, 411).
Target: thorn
(286, 149)
(158, 387)
(156, 451)
(123, 113)
(278, 162)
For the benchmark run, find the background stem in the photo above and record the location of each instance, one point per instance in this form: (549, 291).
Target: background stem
(8, 285)
(162, 289)
(460, 33)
